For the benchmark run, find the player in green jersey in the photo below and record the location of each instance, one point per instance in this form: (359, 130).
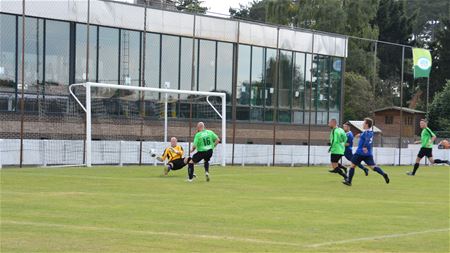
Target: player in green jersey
(427, 138)
(338, 138)
(204, 142)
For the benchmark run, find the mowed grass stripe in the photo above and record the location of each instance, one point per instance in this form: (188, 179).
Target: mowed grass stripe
(275, 209)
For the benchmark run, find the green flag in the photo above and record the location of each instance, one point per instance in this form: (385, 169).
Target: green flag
(422, 62)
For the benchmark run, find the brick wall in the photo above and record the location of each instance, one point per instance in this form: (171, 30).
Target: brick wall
(58, 127)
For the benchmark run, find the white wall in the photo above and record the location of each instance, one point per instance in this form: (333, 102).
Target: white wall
(70, 152)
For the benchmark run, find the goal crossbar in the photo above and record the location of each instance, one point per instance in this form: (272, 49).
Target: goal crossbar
(87, 109)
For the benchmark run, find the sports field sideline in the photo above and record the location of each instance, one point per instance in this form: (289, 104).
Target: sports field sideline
(242, 209)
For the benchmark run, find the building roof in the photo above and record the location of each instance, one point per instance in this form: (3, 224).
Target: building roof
(398, 108)
(358, 124)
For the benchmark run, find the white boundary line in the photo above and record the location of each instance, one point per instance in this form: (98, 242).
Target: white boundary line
(148, 232)
(218, 237)
(381, 237)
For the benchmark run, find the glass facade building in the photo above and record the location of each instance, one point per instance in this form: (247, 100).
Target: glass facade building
(269, 73)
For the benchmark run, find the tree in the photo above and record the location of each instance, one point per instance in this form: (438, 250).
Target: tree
(194, 6)
(440, 109)
(279, 12)
(440, 50)
(323, 15)
(429, 16)
(255, 11)
(358, 97)
(394, 26)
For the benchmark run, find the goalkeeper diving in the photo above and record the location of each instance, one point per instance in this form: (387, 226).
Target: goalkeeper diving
(174, 154)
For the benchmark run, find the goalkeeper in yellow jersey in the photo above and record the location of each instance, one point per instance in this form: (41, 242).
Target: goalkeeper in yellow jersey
(174, 154)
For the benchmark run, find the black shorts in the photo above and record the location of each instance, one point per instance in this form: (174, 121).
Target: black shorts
(177, 164)
(368, 159)
(202, 155)
(428, 152)
(335, 158)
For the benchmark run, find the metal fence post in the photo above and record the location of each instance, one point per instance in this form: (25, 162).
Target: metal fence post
(120, 153)
(1, 145)
(244, 149)
(44, 153)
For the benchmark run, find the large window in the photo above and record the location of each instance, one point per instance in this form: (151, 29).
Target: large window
(130, 57)
(225, 69)
(186, 65)
(57, 48)
(335, 87)
(257, 84)
(285, 86)
(298, 88)
(7, 62)
(108, 55)
(80, 53)
(152, 63)
(34, 52)
(322, 88)
(243, 83)
(310, 79)
(170, 56)
(207, 65)
(271, 76)
(7, 52)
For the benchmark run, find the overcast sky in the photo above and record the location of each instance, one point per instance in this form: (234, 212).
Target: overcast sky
(222, 6)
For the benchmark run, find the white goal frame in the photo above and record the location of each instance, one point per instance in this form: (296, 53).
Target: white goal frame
(87, 110)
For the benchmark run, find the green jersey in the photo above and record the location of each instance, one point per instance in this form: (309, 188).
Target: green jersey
(205, 140)
(425, 138)
(338, 138)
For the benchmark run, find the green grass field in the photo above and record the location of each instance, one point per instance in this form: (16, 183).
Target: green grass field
(242, 209)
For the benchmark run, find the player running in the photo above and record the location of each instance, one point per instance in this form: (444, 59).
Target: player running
(174, 154)
(348, 148)
(364, 153)
(204, 142)
(427, 138)
(337, 140)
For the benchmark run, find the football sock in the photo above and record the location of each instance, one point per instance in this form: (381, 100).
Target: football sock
(342, 167)
(340, 172)
(416, 166)
(206, 167)
(379, 170)
(440, 161)
(351, 173)
(361, 167)
(191, 170)
(169, 167)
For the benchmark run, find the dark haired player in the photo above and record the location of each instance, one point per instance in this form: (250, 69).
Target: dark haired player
(364, 153)
(348, 147)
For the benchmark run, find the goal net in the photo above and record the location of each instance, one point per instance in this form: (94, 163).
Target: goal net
(125, 124)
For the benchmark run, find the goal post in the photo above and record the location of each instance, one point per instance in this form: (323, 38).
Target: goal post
(87, 108)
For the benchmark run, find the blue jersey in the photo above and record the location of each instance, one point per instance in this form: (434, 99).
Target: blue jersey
(349, 141)
(365, 141)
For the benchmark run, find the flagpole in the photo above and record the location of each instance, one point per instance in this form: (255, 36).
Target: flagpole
(428, 93)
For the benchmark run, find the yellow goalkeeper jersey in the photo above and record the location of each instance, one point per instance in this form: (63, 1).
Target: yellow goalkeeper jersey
(171, 155)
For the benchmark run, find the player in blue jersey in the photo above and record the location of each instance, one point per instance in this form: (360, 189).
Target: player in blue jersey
(364, 153)
(348, 148)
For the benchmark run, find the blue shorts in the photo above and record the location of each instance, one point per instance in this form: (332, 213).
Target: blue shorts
(368, 159)
(348, 154)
